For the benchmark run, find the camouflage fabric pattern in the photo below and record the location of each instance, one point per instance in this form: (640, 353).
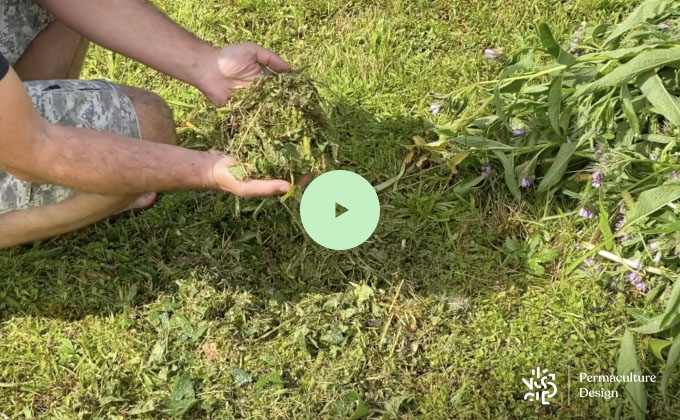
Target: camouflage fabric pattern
(98, 105)
(20, 22)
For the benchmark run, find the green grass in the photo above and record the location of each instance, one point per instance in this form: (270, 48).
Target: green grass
(207, 308)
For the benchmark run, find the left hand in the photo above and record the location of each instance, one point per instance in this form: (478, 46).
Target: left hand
(236, 66)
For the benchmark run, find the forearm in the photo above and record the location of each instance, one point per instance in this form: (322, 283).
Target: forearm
(135, 28)
(105, 163)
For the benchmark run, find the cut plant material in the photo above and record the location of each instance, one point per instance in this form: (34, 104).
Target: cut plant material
(278, 128)
(595, 120)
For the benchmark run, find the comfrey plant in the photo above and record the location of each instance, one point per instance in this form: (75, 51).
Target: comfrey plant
(597, 119)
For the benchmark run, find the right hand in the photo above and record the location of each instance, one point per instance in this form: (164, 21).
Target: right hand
(246, 188)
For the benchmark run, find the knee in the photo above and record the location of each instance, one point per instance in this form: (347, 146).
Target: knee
(154, 114)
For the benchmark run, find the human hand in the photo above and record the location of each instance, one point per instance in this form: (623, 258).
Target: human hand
(235, 66)
(224, 180)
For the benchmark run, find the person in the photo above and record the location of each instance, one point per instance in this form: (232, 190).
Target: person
(73, 152)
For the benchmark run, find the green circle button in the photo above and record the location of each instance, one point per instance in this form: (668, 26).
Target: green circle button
(340, 210)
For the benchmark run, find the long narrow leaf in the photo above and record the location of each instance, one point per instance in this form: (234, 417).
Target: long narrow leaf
(628, 110)
(651, 201)
(671, 364)
(558, 168)
(646, 11)
(478, 142)
(549, 43)
(510, 177)
(644, 62)
(628, 363)
(555, 103)
(655, 92)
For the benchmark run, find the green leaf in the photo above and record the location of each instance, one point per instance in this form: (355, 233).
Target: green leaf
(655, 92)
(671, 364)
(558, 168)
(240, 377)
(653, 325)
(645, 12)
(363, 293)
(468, 184)
(361, 409)
(672, 313)
(393, 405)
(607, 234)
(182, 398)
(273, 379)
(479, 142)
(628, 363)
(658, 138)
(509, 172)
(629, 110)
(644, 62)
(621, 53)
(651, 201)
(553, 48)
(657, 346)
(555, 103)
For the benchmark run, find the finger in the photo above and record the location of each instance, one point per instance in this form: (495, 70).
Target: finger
(269, 59)
(262, 187)
(215, 152)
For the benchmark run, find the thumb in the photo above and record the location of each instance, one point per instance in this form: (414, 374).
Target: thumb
(262, 187)
(269, 59)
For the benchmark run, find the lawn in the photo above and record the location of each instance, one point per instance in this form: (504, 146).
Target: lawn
(209, 307)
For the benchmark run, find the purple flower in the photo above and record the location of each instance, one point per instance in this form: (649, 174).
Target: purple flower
(597, 179)
(589, 261)
(620, 223)
(527, 181)
(485, 170)
(674, 176)
(664, 26)
(634, 279)
(519, 132)
(435, 108)
(586, 214)
(490, 54)
(654, 157)
(598, 153)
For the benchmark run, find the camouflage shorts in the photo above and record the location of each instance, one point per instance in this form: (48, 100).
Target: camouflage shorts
(98, 105)
(20, 22)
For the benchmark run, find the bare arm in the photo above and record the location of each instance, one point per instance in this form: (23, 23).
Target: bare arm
(36, 150)
(137, 29)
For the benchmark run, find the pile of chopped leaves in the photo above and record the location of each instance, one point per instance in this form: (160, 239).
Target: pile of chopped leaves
(278, 128)
(594, 122)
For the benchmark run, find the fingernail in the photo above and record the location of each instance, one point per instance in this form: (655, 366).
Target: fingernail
(284, 188)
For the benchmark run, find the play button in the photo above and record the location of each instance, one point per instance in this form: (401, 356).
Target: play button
(340, 210)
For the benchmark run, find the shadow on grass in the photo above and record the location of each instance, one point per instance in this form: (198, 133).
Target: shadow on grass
(428, 236)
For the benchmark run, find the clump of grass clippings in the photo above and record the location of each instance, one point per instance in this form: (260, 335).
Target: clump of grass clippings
(278, 128)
